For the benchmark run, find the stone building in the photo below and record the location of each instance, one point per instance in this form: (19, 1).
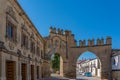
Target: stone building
(63, 42)
(24, 54)
(116, 64)
(21, 45)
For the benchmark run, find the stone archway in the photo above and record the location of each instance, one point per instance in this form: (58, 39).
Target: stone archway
(64, 43)
(60, 63)
(88, 62)
(104, 54)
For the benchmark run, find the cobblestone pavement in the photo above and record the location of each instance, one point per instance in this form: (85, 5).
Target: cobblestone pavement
(55, 77)
(79, 77)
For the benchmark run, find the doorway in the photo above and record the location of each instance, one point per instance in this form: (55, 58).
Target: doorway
(32, 72)
(10, 70)
(24, 71)
(56, 65)
(37, 70)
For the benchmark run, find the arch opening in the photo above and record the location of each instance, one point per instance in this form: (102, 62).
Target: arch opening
(88, 65)
(56, 65)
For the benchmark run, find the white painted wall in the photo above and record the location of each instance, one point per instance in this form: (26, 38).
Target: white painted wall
(116, 62)
(99, 73)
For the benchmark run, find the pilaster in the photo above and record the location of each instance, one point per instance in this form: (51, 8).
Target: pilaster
(0, 65)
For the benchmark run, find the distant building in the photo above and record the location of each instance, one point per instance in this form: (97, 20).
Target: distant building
(91, 65)
(116, 65)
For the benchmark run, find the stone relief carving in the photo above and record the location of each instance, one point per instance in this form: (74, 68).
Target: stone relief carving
(19, 52)
(11, 46)
(32, 36)
(38, 43)
(11, 12)
(24, 60)
(24, 27)
(24, 52)
(2, 45)
(11, 57)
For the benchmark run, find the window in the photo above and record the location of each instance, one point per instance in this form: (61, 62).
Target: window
(24, 41)
(33, 47)
(38, 51)
(11, 31)
(115, 60)
(42, 54)
(56, 42)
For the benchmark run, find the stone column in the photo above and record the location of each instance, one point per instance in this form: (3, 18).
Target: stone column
(71, 73)
(35, 72)
(28, 70)
(106, 68)
(61, 66)
(19, 69)
(69, 69)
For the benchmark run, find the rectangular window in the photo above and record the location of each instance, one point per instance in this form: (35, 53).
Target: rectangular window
(33, 47)
(11, 31)
(38, 51)
(24, 41)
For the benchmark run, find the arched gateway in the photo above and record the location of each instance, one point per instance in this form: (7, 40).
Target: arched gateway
(63, 42)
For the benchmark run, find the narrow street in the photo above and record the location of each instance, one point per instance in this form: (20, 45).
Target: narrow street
(79, 77)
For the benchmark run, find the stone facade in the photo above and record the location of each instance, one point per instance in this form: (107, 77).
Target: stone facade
(21, 45)
(116, 75)
(24, 54)
(63, 42)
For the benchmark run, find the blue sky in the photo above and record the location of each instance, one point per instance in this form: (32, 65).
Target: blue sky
(87, 55)
(85, 18)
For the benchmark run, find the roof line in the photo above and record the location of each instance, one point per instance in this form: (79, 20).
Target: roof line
(29, 20)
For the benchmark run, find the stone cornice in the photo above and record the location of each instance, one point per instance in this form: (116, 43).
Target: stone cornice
(33, 26)
(17, 54)
(90, 46)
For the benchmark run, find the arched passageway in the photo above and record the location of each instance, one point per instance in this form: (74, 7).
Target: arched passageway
(56, 64)
(88, 64)
(65, 43)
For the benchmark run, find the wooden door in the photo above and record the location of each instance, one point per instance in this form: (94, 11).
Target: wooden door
(32, 72)
(10, 70)
(24, 71)
(37, 70)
